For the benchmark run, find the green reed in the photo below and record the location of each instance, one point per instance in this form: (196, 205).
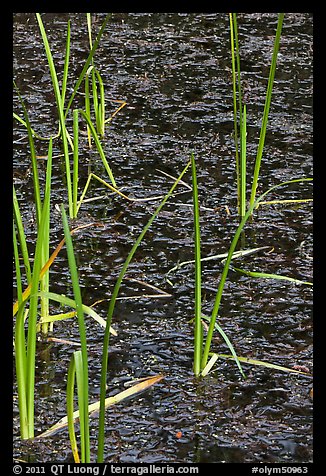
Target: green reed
(226, 268)
(97, 91)
(237, 98)
(62, 111)
(79, 362)
(204, 359)
(198, 330)
(201, 366)
(240, 110)
(60, 96)
(38, 210)
(266, 109)
(104, 365)
(25, 348)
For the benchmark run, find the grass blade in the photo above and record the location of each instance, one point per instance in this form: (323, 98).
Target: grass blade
(235, 109)
(266, 109)
(75, 164)
(100, 451)
(227, 265)
(99, 147)
(254, 274)
(60, 108)
(32, 318)
(66, 65)
(198, 333)
(47, 265)
(247, 360)
(82, 333)
(243, 163)
(70, 409)
(44, 279)
(22, 238)
(228, 343)
(72, 303)
(88, 62)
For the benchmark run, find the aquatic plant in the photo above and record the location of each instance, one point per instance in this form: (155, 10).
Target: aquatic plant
(204, 355)
(25, 348)
(79, 360)
(100, 452)
(60, 98)
(240, 109)
(202, 348)
(201, 363)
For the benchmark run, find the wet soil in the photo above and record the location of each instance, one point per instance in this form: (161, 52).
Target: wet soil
(173, 70)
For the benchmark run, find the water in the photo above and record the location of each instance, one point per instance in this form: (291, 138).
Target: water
(174, 72)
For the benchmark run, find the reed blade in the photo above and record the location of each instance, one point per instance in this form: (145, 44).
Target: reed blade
(266, 109)
(198, 334)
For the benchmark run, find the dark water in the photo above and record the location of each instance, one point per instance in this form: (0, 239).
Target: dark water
(174, 72)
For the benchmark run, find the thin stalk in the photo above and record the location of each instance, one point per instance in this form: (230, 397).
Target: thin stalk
(22, 238)
(88, 62)
(235, 111)
(82, 333)
(60, 108)
(21, 372)
(17, 267)
(243, 163)
(75, 163)
(89, 29)
(255, 274)
(227, 266)
(198, 333)
(266, 109)
(36, 183)
(66, 65)
(32, 318)
(100, 110)
(44, 283)
(88, 104)
(237, 49)
(95, 99)
(99, 147)
(229, 344)
(104, 365)
(70, 408)
(82, 405)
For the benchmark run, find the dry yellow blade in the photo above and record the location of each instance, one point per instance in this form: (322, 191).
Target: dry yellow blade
(94, 407)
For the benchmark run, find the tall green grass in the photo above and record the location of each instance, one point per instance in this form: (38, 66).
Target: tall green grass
(69, 144)
(212, 319)
(62, 110)
(36, 274)
(25, 348)
(79, 361)
(201, 366)
(104, 365)
(239, 110)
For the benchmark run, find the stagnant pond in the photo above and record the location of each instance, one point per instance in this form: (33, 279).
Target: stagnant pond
(174, 72)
